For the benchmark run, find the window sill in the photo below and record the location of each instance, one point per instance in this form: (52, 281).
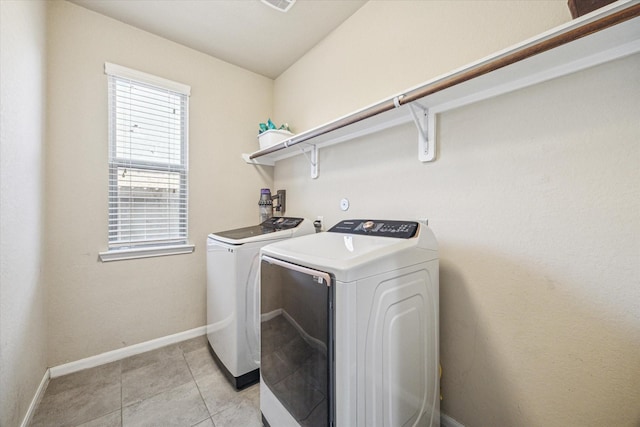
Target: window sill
(123, 254)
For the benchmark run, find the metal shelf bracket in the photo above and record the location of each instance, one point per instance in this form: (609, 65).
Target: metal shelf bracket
(312, 158)
(424, 121)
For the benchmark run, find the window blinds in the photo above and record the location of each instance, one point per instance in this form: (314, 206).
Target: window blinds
(148, 173)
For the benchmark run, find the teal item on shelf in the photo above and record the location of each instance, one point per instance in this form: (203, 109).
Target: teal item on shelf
(272, 126)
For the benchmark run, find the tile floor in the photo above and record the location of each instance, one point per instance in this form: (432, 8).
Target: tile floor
(177, 385)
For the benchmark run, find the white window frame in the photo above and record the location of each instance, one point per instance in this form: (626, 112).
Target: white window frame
(143, 249)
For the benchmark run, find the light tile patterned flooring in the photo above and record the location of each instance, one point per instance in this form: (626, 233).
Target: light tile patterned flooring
(178, 385)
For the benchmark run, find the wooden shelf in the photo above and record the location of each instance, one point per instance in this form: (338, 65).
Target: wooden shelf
(605, 35)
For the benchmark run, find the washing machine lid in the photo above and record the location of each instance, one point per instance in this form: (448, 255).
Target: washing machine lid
(351, 254)
(271, 229)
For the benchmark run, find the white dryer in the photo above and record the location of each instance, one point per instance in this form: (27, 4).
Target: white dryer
(349, 327)
(232, 293)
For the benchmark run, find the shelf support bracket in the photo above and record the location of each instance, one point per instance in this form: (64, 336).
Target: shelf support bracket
(424, 121)
(312, 159)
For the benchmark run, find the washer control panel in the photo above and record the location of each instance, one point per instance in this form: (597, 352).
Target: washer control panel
(271, 225)
(281, 223)
(381, 228)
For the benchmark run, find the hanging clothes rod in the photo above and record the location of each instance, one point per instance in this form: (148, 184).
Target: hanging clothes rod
(522, 52)
(329, 127)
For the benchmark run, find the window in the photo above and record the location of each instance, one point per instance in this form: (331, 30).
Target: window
(148, 167)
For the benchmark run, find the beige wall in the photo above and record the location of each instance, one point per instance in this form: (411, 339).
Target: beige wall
(96, 307)
(389, 46)
(23, 327)
(534, 197)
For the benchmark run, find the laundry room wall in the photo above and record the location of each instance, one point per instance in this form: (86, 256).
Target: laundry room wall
(534, 198)
(23, 320)
(96, 307)
(389, 46)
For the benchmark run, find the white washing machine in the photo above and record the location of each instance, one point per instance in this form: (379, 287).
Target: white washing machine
(232, 293)
(349, 327)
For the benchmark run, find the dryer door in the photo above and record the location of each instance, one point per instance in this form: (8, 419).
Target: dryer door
(296, 360)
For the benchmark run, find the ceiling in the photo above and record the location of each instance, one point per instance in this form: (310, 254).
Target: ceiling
(246, 33)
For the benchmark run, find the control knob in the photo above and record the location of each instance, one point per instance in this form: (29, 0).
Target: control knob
(368, 225)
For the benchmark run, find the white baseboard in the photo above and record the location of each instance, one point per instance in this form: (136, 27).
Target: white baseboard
(447, 421)
(121, 353)
(36, 398)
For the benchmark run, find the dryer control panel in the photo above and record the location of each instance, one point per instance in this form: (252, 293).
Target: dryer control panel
(381, 228)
